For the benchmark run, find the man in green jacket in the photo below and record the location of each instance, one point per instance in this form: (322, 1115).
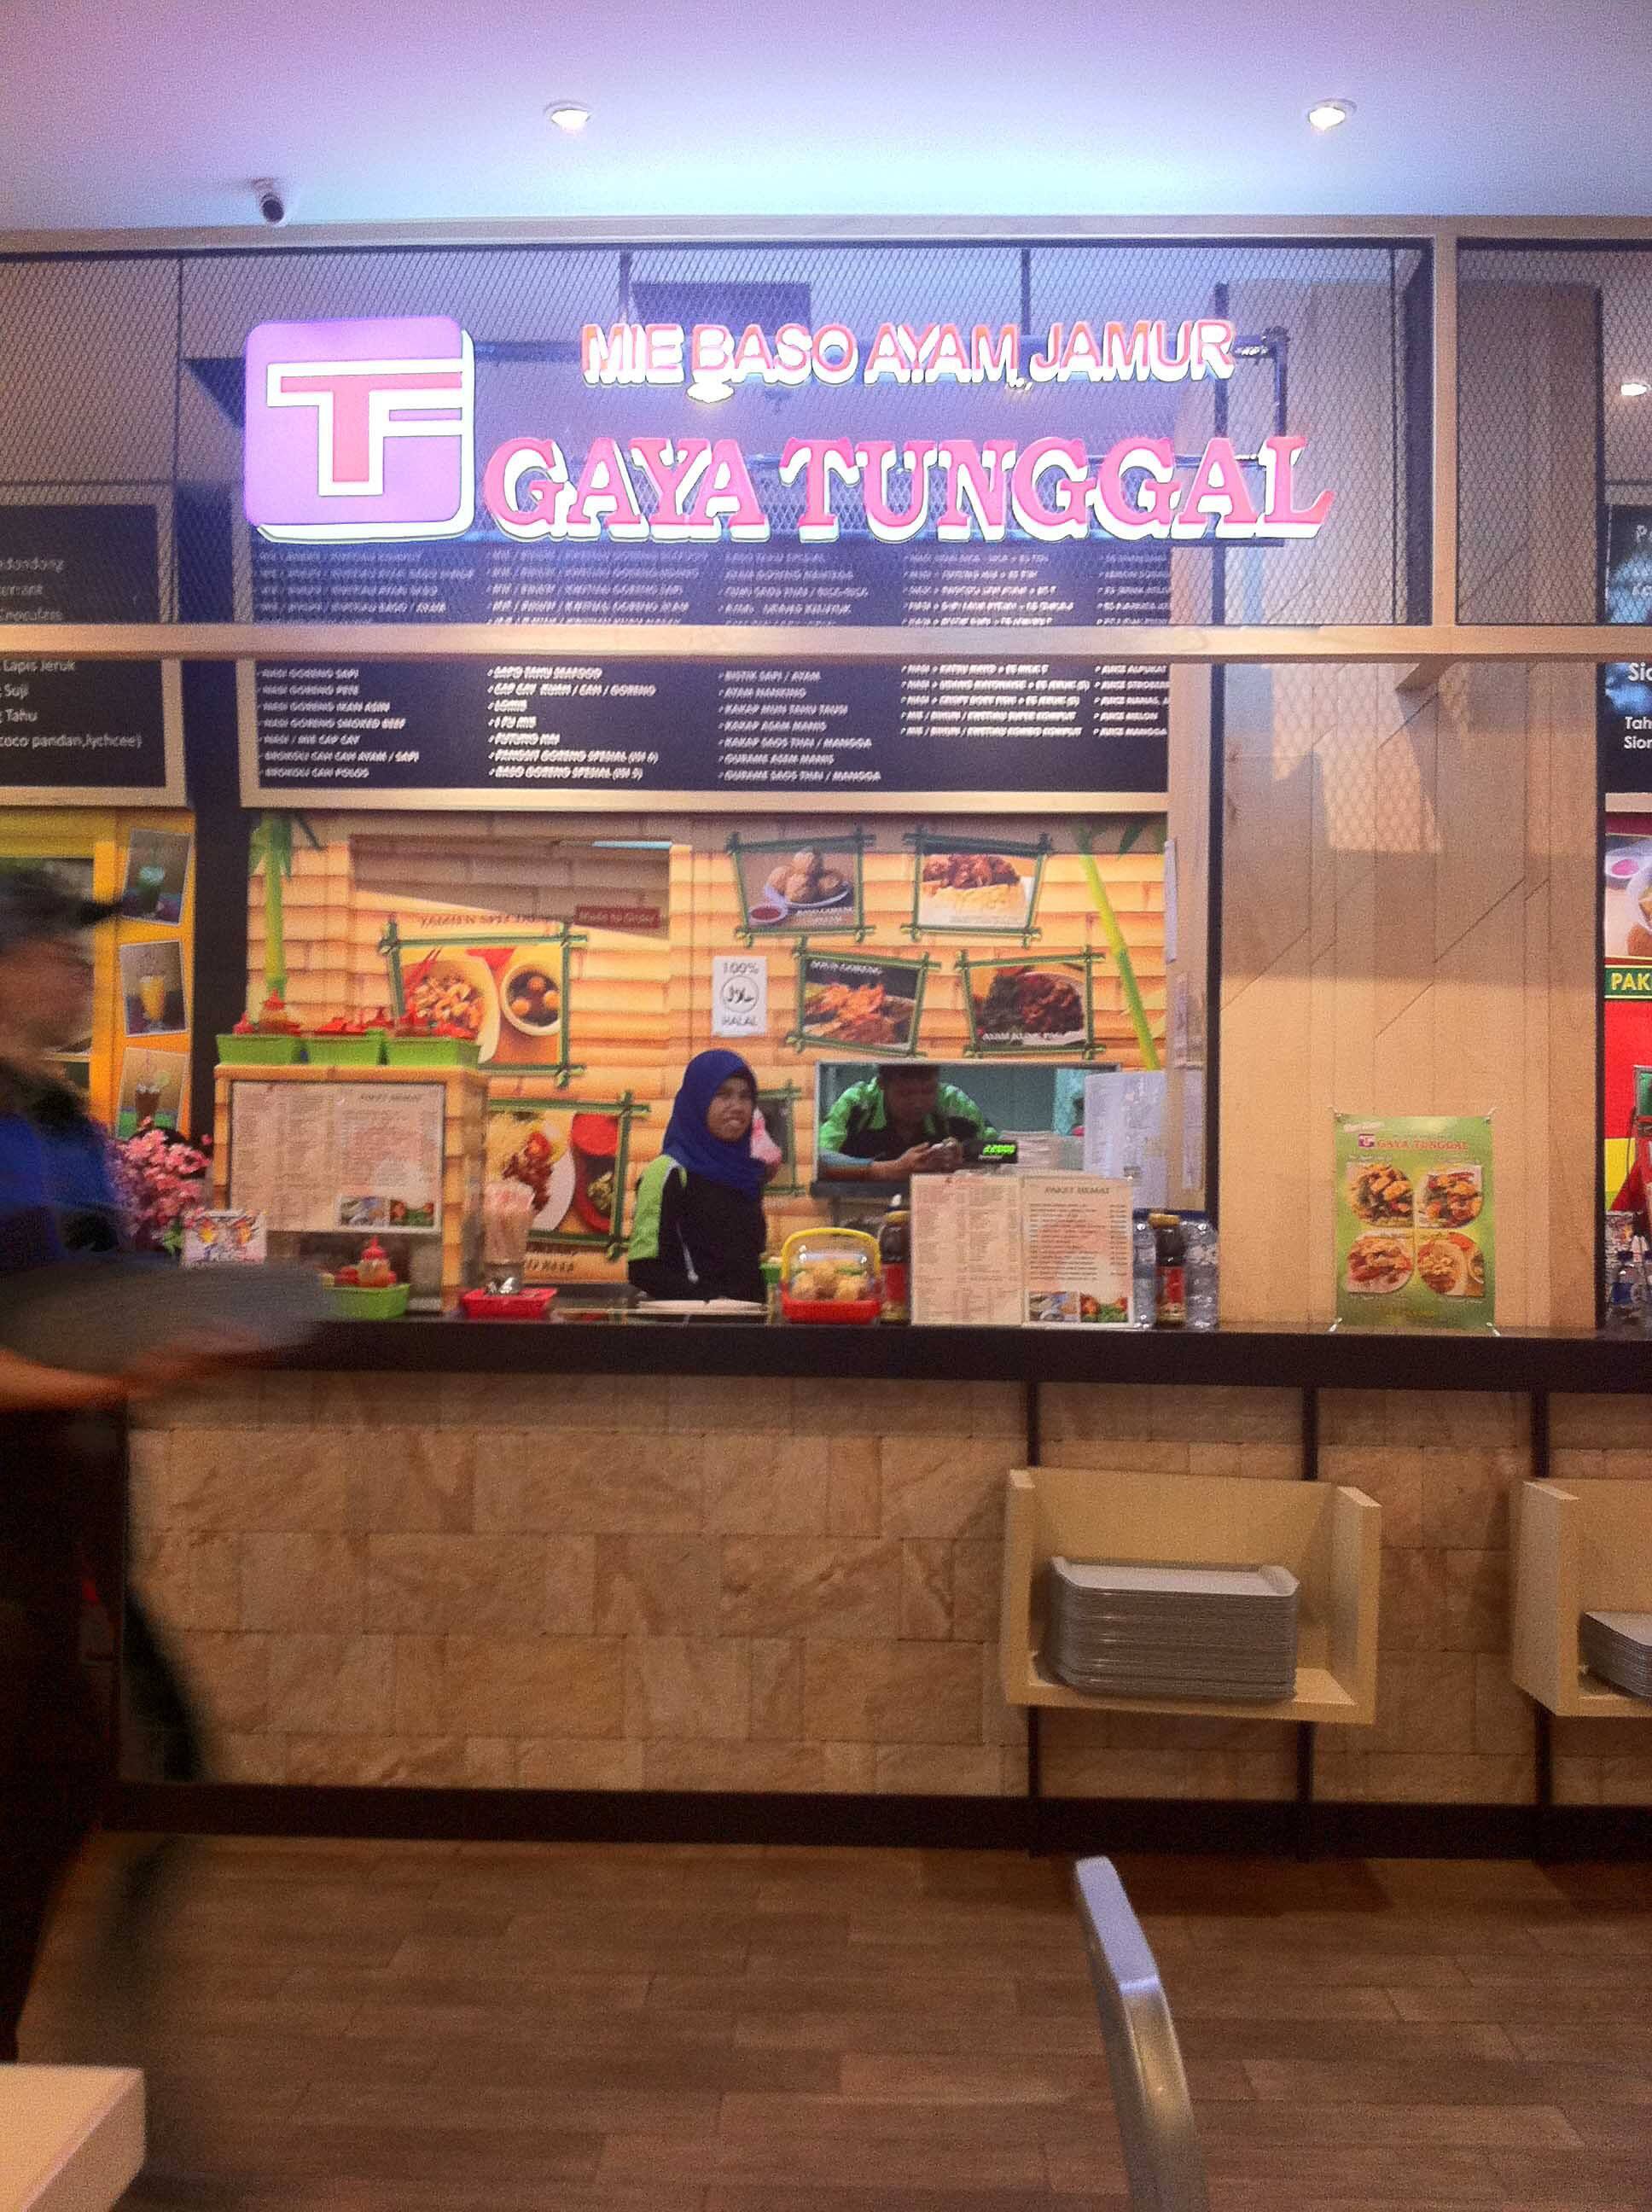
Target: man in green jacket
(903, 1121)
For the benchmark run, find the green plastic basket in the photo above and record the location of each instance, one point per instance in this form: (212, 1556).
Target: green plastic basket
(259, 1051)
(351, 1303)
(367, 1051)
(432, 1052)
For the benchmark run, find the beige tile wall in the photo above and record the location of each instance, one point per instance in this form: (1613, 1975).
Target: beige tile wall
(590, 1582)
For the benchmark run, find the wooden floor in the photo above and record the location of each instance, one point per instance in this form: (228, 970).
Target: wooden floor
(379, 2028)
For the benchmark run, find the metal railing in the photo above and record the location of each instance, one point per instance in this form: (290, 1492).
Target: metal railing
(1161, 2157)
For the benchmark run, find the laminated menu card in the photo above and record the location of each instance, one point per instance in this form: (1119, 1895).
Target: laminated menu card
(1415, 1222)
(1003, 1250)
(313, 1157)
(966, 1250)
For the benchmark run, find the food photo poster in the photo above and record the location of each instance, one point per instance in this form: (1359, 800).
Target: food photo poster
(1415, 1222)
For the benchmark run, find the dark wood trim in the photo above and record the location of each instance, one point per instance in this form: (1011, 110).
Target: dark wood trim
(1207, 1827)
(1306, 1841)
(1522, 1361)
(1539, 1466)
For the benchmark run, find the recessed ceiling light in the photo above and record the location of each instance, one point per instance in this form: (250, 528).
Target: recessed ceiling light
(1327, 114)
(1634, 387)
(568, 114)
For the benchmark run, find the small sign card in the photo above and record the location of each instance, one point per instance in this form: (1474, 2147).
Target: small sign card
(225, 1239)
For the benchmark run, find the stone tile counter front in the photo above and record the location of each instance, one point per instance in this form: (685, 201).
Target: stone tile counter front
(653, 1582)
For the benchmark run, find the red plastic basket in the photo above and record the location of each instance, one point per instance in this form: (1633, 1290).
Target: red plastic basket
(520, 1306)
(830, 1309)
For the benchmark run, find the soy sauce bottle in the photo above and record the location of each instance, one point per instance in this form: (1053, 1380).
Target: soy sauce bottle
(1169, 1272)
(894, 1258)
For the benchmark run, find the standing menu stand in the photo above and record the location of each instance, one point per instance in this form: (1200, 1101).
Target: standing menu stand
(999, 1250)
(457, 1182)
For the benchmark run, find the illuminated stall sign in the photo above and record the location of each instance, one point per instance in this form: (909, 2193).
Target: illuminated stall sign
(364, 465)
(365, 431)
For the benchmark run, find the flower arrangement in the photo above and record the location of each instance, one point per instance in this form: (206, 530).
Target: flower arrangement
(162, 1185)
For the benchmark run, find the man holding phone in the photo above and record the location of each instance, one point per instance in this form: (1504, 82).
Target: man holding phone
(902, 1122)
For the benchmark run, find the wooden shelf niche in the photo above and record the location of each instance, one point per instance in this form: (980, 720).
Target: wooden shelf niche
(1579, 1547)
(1329, 1536)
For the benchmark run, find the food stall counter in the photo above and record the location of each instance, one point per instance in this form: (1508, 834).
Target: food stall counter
(1265, 1356)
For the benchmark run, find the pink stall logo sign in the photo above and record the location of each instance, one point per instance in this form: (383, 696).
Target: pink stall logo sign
(365, 430)
(360, 430)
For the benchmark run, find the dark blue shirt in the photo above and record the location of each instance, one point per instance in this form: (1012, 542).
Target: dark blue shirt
(57, 1195)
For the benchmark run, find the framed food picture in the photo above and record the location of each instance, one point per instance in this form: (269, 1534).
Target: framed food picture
(982, 886)
(1415, 1224)
(1017, 1006)
(505, 988)
(801, 886)
(859, 1005)
(573, 1154)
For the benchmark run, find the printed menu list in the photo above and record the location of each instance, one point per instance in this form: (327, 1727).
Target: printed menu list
(966, 1251)
(80, 726)
(667, 726)
(1001, 1250)
(315, 1157)
(855, 583)
(481, 727)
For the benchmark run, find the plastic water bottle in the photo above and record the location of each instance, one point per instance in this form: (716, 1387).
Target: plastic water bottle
(1143, 1270)
(1200, 1238)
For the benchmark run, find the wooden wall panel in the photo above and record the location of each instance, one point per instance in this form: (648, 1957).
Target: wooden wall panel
(1408, 927)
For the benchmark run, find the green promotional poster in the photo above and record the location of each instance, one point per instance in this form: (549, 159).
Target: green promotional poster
(1415, 1221)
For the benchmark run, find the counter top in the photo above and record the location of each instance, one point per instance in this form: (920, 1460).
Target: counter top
(1271, 1358)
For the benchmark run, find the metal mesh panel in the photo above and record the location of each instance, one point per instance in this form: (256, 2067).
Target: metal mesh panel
(1549, 444)
(124, 386)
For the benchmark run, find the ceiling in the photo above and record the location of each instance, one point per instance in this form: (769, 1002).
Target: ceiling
(158, 113)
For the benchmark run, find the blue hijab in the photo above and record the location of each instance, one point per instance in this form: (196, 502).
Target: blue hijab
(692, 1144)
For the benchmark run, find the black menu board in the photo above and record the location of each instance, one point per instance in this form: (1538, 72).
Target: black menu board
(579, 727)
(81, 730)
(1624, 698)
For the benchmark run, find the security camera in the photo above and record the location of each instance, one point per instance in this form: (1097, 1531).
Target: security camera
(271, 199)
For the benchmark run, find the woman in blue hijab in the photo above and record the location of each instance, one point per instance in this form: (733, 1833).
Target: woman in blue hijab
(697, 1228)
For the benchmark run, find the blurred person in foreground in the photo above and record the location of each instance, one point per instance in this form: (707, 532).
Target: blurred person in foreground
(60, 1458)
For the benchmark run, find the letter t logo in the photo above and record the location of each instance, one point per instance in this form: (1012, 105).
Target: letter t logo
(360, 430)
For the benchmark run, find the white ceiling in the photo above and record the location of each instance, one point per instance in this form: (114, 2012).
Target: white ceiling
(157, 112)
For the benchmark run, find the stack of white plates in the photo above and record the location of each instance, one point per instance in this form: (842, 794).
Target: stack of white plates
(1617, 1647)
(1152, 1632)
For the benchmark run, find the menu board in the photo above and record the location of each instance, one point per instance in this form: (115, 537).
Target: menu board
(822, 733)
(1624, 701)
(1004, 1250)
(1415, 1222)
(318, 1157)
(855, 583)
(966, 1250)
(91, 730)
(1076, 1251)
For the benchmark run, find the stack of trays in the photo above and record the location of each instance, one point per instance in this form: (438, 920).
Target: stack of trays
(1150, 1632)
(1617, 1647)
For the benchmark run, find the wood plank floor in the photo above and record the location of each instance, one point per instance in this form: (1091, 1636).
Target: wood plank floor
(336, 2028)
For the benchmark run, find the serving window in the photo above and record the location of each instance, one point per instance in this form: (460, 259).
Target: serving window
(624, 932)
